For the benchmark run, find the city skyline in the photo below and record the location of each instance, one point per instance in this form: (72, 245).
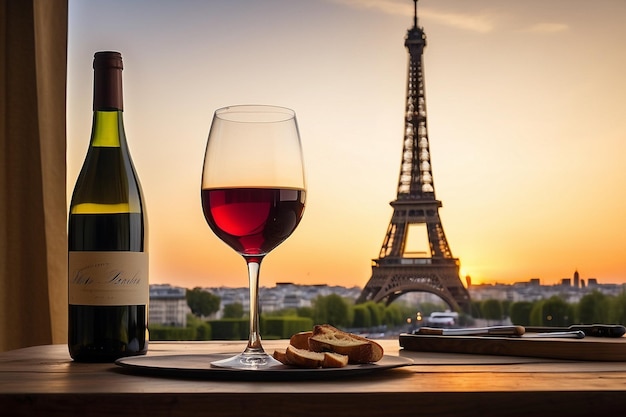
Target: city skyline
(568, 281)
(524, 116)
(293, 296)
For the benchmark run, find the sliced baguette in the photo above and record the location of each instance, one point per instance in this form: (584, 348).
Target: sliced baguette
(300, 340)
(281, 356)
(304, 358)
(334, 360)
(327, 338)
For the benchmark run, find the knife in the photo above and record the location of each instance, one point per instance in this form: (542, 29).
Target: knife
(491, 330)
(594, 330)
(575, 334)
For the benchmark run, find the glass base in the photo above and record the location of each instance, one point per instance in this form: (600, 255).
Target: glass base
(249, 361)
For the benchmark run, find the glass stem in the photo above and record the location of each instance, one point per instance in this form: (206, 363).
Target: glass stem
(254, 341)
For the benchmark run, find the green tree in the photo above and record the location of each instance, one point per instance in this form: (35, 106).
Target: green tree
(536, 313)
(556, 312)
(594, 308)
(394, 315)
(475, 308)
(376, 313)
(492, 309)
(362, 317)
(332, 309)
(233, 311)
(305, 312)
(520, 313)
(617, 313)
(506, 308)
(202, 303)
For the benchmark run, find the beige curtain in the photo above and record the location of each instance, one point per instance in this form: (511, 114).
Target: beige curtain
(33, 237)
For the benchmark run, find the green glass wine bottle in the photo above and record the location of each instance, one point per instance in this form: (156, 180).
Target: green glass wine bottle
(107, 235)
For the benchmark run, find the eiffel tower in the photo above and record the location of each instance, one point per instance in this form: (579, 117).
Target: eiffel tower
(399, 270)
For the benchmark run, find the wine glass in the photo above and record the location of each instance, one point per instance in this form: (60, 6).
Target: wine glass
(253, 194)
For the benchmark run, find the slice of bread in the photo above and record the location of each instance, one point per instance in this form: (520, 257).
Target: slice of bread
(304, 358)
(334, 360)
(326, 338)
(281, 356)
(300, 340)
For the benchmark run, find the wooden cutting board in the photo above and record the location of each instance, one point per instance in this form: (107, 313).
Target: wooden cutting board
(587, 349)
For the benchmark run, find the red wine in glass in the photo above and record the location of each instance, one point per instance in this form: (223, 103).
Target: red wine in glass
(253, 221)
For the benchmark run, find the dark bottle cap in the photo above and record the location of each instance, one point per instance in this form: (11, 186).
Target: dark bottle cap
(107, 82)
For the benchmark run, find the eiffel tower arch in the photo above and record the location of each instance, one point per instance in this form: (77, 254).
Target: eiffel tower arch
(398, 269)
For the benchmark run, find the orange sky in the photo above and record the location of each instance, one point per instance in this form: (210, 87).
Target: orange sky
(525, 108)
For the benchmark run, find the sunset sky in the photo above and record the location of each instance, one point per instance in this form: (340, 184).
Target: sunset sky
(526, 110)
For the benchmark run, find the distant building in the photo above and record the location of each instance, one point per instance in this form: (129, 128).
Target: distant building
(240, 295)
(532, 290)
(284, 295)
(168, 305)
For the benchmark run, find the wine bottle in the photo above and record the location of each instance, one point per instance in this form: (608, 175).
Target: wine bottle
(107, 240)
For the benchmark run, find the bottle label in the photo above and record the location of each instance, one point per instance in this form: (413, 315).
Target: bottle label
(108, 278)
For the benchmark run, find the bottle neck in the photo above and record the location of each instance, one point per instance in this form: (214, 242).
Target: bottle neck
(108, 129)
(108, 103)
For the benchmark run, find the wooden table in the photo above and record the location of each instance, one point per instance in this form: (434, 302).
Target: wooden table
(43, 381)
